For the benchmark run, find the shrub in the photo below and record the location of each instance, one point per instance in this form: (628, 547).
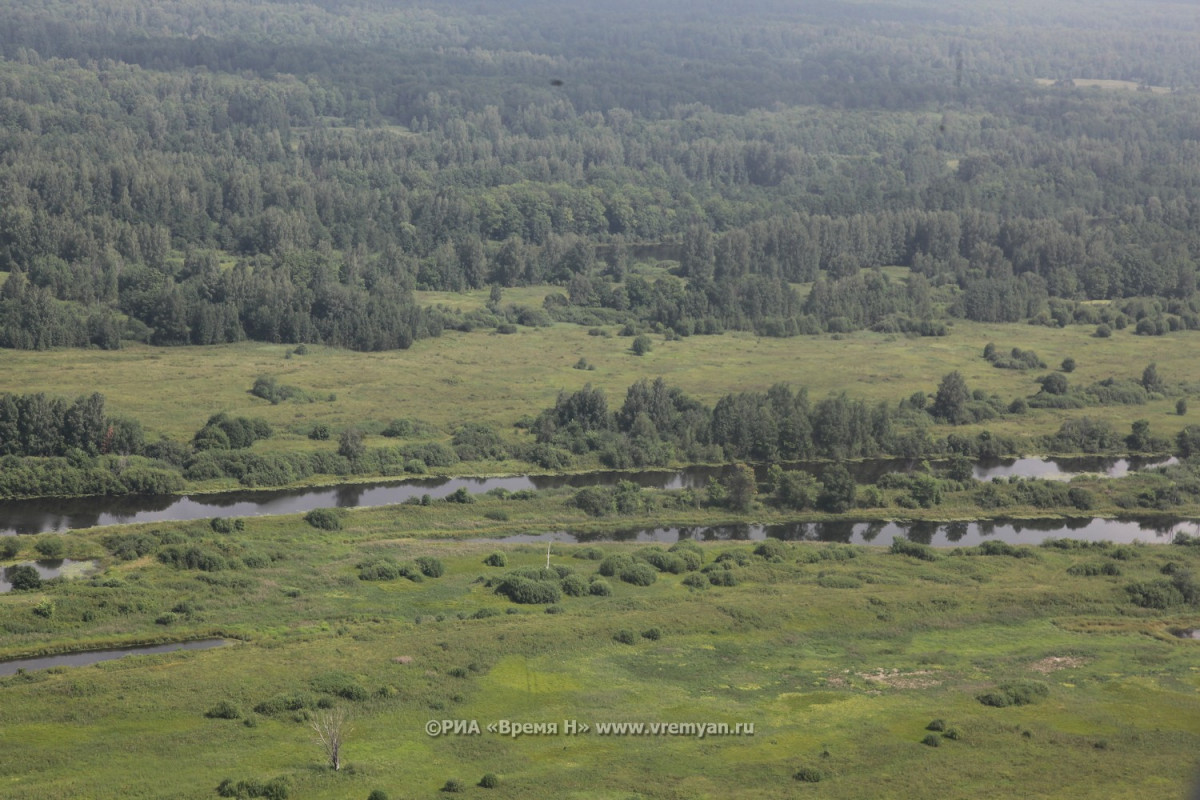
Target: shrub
(378, 794)
(641, 345)
(1102, 332)
(319, 432)
(23, 578)
(11, 545)
(600, 588)
(496, 559)
(326, 519)
(613, 564)
(453, 785)
(952, 734)
(1158, 594)
(771, 549)
(589, 554)
(932, 740)
(653, 634)
(574, 586)
(460, 495)
(625, 636)
(1018, 693)
(696, 581)
(906, 547)
(1068, 364)
(1181, 406)
(430, 566)
(528, 592)
(937, 725)
(49, 546)
(807, 775)
(489, 781)
(639, 575)
(223, 710)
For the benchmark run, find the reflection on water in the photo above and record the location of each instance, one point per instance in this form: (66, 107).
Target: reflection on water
(46, 569)
(937, 534)
(95, 656)
(56, 514)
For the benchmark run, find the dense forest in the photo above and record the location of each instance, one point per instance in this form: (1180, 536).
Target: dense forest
(191, 173)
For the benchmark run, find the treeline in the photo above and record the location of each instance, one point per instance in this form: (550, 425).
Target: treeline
(657, 424)
(39, 425)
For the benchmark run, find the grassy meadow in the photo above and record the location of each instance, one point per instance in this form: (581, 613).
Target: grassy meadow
(841, 657)
(483, 376)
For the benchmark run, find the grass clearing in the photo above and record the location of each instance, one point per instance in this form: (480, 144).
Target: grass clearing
(485, 377)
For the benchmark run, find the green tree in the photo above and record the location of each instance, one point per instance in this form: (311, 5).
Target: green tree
(740, 488)
(950, 403)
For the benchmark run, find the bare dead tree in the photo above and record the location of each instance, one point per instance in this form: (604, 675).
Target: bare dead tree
(332, 726)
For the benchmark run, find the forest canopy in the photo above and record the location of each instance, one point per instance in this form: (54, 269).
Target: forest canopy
(194, 173)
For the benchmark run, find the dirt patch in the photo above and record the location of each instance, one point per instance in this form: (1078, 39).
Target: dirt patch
(895, 679)
(402, 660)
(1055, 663)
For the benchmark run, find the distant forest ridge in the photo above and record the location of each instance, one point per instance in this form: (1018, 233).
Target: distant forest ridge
(196, 173)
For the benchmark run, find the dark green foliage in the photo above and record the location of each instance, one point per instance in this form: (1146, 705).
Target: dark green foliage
(223, 432)
(599, 588)
(193, 557)
(638, 575)
(1068, 364)
(613, 564)
(1081, 498)
(224, 710)
(837, 490)
(476, 442)
(595, 501)
(9, 547)
(49, 546)
(320, 432)
(1017, 693)
(641, 345)
(625, 636)
(326, 519)
(489, 781)
(525, 591)
(23, 578)
(723, 577)
(1017, 359)
(574, 586)
(1181, 406)
(460, 495)
(932, 739)
(807, 775)
(341, 685)
(906, 547)
(496, 559)
(771, 549)
(1107, 568)
(378, 794)
(268, 388)
(430, 567)
(696, 581)
(937, 725)
(385, 568)
(950, 402)
(952, 734)
(653, 634)
(274, 789)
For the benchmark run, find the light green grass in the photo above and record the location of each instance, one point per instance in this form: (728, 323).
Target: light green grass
(497, 379)
(844, 680)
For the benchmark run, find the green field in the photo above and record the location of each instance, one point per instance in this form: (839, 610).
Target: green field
(487, 377)
(840, 656)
